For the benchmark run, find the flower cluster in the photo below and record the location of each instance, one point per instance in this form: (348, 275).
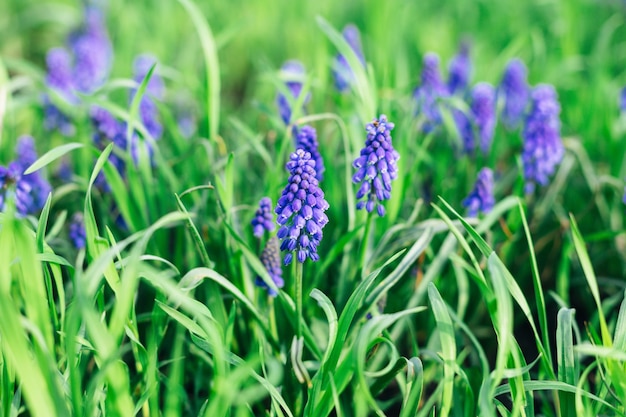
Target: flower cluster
(293, 72)
(515, 91)
(306, 139)
(622, 100)
(60, 79)
(263, 218)
(77, 232)
(484, 113)
(376, 166)
(300, 210)
(270, 257)
(342, 73)
(148, 111)
(29, 192)
(429, 92)
(459, 71)
(543, 149)
(481, 198)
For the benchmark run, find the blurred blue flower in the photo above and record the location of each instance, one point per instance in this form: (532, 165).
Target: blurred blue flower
(481, 198)
(622, 100)
(342, 73)
(108, 129)
(376, 166)
(93, 53)
(306, 139)
(429, 91)
(155, 89)
(300, 210)
(465, 130)
(270, 257)
(77, 232)
(543, 149)
(460, 70)
(59, 78)
(484, 112)
(515, 91)
(263, 218)
(293, 73)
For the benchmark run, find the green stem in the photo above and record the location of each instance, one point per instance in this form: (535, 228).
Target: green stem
(298, 299)
(365, 242)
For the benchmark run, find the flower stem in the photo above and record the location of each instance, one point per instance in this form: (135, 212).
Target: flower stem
(298, 298)
(365, 242)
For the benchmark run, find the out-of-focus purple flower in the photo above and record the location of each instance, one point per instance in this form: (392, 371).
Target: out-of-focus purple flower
(460, 70)
(543, 149)
(293, 73)
(429, 91)
(622, 100)
(342, 72)
(148, 110)
(60, 79)
(29, 192)
(514, 88)
(465, 129)
(484, 112)
(108, 129)
(263, 218)
(306, 139)
(93, 53)
(300, 210)
(77, 232)
(481, 198)
(376, 166)
(270, 257)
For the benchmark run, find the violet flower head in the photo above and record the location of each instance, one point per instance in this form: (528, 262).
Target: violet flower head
(93, 53)
(484, 112)
(543, 149)
(429, 91)
(481, 198)
(293, 73)
(515, 90)
(77, 232)
(465, 130)
(342, 73)
(59, 78)
(306, 139)
(460, 70)
(622, 100)
(376, 167)
(263, 220)
(108, 129)
(270, 257)
(155, 89)
(300, 210)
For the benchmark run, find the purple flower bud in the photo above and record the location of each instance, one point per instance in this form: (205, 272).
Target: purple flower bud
(342, 72)
(460, 70)
(303, 222)
(515, 91)
(263, 218)
(270, 257)
(306, 139)
(376, 183)
(429, 91)
(543, 149)
(484, 112)
(77, 232)
(481, 198)
(293, 73)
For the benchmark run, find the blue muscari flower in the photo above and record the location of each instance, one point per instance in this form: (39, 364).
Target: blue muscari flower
(59, 78)
(300, 210)
(481, 198)
(460, 70)
(376, 166)
(77, 232)
(429, 91)
(515, 91)
(93, 53)
(342, 72)
(270, 257)
(306, 138)
(109, 129)
(293, 72)
(484, 112)
(263, 218)
(155, 89)
(543, 148)
(465, 129)
(622, 100)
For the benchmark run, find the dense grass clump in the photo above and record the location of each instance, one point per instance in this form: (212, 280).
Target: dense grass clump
(285, 208)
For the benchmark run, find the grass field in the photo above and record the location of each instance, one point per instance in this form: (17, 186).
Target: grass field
(469, 259)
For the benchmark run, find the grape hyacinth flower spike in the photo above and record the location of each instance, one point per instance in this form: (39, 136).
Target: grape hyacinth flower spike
(429, 91)
(342, 73)
(306, 139)
(300, 210)
(77, 232)
(515, 91)
(155, 89)
(460, 70)
(270, 257)
(293, 72)
(484, 112)
(263, 220)
(60, 79)
(543, 149)
(481, 198)
(622, 100)
(376, 166)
